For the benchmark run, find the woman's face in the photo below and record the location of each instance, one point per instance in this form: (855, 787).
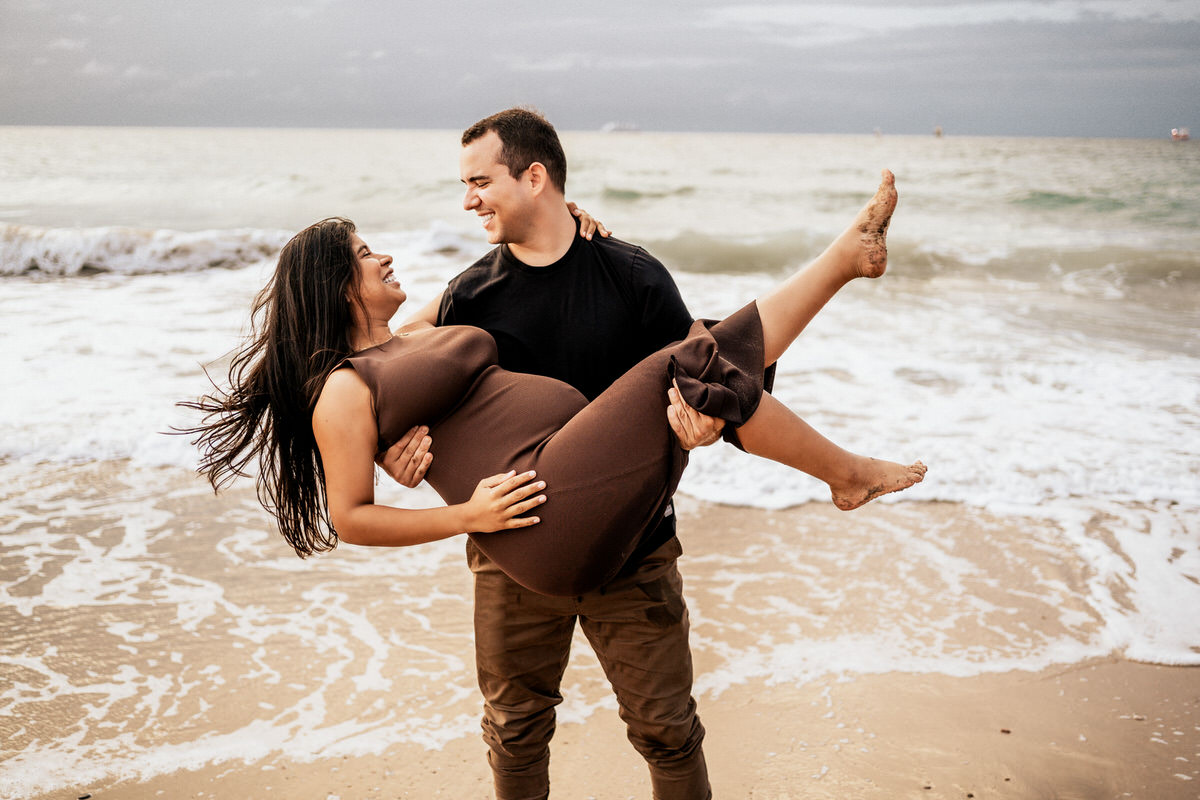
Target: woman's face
(378, 285)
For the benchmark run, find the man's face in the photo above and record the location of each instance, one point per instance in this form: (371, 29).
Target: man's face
(502, 202)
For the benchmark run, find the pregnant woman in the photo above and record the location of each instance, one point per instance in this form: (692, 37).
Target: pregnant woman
(323, 386)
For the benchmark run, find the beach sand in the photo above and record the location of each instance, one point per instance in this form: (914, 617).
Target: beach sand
(1105, 729)
(1101, 728)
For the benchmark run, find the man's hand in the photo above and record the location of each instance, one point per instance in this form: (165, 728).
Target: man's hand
(408, 459)
(691, 427)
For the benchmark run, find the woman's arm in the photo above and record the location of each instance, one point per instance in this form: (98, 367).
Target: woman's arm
(424, 318)
(344, 427)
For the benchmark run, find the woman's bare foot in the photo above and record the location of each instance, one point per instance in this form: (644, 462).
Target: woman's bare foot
(873, 478)
(868, 234)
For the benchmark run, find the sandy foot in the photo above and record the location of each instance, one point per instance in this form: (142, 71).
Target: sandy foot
(874, 478)
(868, 233)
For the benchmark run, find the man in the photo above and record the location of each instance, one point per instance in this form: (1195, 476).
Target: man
(584, 312)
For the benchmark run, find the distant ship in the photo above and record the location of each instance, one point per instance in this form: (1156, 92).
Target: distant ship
(619, 127)
(1180, 134)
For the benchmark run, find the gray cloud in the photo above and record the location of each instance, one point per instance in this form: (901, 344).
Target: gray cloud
(62, 43)
(1072, 67)
(809, 23)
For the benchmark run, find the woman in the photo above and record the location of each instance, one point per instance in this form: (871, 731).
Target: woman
(324, 386)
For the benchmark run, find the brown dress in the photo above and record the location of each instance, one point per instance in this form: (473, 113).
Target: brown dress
(610, 466)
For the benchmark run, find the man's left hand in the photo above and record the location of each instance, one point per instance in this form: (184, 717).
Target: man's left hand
(691, 427)
(408, 460)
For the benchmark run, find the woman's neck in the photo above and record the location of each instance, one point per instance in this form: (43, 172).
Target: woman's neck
(372, 336)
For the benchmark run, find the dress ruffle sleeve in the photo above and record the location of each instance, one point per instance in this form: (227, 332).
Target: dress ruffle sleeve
(719, 368)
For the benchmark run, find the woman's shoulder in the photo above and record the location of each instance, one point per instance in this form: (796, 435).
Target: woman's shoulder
(343, 388)
(343, 377)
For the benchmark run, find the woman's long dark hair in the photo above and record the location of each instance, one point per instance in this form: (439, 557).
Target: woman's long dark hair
(299, 331)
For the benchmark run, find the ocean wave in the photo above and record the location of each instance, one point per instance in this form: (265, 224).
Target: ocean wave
(1042, 200)
(697, 252)
(626, 195)
(1104, 271)
(29, 250)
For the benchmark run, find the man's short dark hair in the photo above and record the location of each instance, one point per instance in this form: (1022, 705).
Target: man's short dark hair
(525, 137)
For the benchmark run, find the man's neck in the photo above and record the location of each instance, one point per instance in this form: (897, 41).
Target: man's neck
(550, 239)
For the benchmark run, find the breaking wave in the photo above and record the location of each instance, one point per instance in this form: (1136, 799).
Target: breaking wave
(29, 250)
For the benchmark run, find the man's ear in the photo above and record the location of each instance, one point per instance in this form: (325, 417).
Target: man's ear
(538, 178)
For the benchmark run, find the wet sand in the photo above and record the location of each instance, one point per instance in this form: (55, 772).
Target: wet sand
(1106, 729)
(781, 723)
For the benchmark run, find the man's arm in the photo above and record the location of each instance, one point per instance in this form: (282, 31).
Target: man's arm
(666, 319)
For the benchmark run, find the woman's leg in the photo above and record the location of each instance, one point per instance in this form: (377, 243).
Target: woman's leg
(776, 433)
(859, 252)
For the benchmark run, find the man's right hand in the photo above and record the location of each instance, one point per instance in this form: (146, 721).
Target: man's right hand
(692, 428)
(408, 459)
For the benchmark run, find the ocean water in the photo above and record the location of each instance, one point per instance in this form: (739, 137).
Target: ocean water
(1036, 342)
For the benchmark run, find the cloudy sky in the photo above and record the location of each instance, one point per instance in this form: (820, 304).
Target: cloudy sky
(979, 67)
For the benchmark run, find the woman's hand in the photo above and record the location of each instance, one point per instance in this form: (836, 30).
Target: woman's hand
(588, 224)
(499, 501)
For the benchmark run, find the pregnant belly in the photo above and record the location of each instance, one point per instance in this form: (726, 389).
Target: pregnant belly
(497, 428)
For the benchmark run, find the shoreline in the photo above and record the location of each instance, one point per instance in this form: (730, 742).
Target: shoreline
(792, 709)
(1107, 728)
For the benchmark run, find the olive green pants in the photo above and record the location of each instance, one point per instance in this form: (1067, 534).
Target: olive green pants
(638, 627)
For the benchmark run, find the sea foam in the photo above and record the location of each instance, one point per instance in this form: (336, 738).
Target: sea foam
(26, 249)
(1034, 343)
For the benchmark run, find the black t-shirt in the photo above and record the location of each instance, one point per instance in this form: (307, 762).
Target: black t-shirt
(585, 319)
